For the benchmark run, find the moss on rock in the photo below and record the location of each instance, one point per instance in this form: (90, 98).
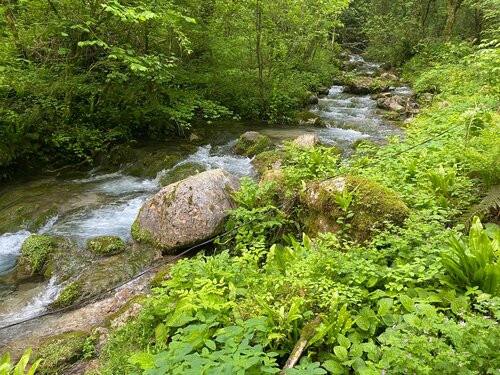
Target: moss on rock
(251, 143)
(67, 296)
(268, 160)
(106, 245)
(373, 206)
(162, 275)
(181, 172)
(35, 252)
(59, 352)
(141, 235)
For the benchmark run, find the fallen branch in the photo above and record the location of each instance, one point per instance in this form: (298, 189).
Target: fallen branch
(307, 333)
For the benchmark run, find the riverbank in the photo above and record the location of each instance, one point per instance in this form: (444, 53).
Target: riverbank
(391, 302)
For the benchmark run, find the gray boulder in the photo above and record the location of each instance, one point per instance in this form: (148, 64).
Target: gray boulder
(306, 141)
(187, 212)
(394, 103)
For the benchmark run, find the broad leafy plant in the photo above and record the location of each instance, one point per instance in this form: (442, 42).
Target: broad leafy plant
(475, 262)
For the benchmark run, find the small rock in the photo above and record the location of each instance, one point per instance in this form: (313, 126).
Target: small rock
(251, 143)
(389, 77)
(312, 99)
(394, 103)
(306, 141)
(193, 137)
(323, 91)
(365, 85)
(106, 245)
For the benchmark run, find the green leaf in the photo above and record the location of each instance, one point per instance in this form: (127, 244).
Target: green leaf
(407, 302)
(333, 367)
(344, 341)
(340, 352)
(384, 306)
(363, 323)
(210, 344)
(144, 360)
(459, 305)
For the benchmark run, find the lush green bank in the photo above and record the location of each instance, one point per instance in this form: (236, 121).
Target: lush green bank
(420, 298)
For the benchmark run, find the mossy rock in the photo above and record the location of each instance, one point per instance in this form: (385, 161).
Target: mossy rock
(251, 143)
(162, 275)
(128, 312)
(373, 207)
(268, 160)
(59, 352)
(308, 118)
(108, 272)
(181, 172)
(106, 245)
(35, 253)
(365, 85)
(392, 116)
(68, 296)
(141, 235)
(148, 164)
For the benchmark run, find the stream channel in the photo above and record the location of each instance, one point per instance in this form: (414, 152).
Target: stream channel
(83, 205)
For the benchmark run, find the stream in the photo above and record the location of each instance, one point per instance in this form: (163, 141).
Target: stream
(83, 205)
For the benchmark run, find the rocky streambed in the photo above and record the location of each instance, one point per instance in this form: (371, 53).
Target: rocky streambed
(68, 208)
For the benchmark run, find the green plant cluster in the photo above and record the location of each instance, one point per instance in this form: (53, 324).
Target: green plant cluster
(414, 299)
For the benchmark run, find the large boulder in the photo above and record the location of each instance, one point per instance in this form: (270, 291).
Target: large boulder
(187, 212)
(372, 207)
(393, 103)
(251, 143)
(365, 85)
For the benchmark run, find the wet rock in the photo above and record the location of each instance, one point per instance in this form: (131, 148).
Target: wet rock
(68, 296)
(365, 85)
(106, 245)
(35, 254)
(127, 313)
(105, 273)
(311, 119)
(392, 116)
(389, 77)
(393, 103)
(306, 141)
(181, 172)
(312, 99)
(251, 143)
(323, 91)
(59, 352)
(372, 207)
(147, 164)
(187, 212)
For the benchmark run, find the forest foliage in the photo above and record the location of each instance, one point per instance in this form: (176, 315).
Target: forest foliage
(75, 77)
(421, 298)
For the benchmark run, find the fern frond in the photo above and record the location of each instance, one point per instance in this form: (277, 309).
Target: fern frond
(491, 202)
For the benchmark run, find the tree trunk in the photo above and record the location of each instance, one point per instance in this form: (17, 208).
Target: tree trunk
(425, 16)
(453, 6)
(260, 62)
(11, 22)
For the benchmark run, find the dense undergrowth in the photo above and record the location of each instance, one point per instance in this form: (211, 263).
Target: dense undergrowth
(423, 298)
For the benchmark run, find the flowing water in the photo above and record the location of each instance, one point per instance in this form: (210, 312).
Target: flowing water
(96, 204)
